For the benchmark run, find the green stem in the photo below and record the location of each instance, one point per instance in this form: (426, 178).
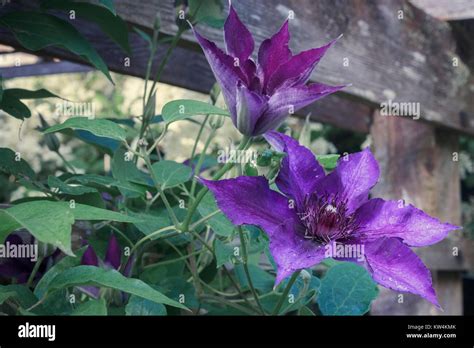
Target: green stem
(204, 219)
(121, 234)
(150, 236)
(36, 267)
(167, 204)
(157, 77)
(246, 269)
(201, 129)
(226, 271)
(283, 297)
(192, 209)
(167, 262)
(227, 303)
(197, 169)
(66, 162)
(165, 59)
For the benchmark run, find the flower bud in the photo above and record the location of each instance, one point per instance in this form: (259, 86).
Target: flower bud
(157, 23)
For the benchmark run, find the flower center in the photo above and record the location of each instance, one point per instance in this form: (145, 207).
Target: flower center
(326, 219)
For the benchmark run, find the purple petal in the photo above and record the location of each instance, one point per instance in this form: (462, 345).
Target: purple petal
(395, 266)
(298, 69)
(274, 52)
(225, 72)
(89, 258)
(249, 69)
(127, 270)
(238, 39)
(352, 179)
(378, 218)
(287, 100)
(91, 291)
(249, 107)
(292, 252)
(299, 171)
(114, 253)
(249, 200)
(11, 268)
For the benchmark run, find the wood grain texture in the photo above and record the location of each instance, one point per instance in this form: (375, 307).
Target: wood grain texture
(189, 69)
(417, 165)
(43, 68)
(407, 59)
(446, 9)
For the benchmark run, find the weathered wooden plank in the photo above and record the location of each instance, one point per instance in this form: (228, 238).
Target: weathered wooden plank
(44, 68)
(189, 69)
(418, 164)
(379, 66)
(447, 9)
(406, 56)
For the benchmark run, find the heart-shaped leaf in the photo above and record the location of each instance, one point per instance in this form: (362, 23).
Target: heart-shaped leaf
(99, 127)
(346, 289)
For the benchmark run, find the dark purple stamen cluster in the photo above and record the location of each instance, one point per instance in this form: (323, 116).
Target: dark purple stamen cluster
(326, 219)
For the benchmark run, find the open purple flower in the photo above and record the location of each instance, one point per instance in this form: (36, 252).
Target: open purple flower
(112, 260)
(261, 94)
(314, 212)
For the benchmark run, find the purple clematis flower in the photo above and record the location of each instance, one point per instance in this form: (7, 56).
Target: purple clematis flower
(20, 268)
(261, 94)
(315, 211)
(112, 260)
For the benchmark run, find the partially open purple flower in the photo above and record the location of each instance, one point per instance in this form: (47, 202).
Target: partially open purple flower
(20, 268)
(261, 94)
(112, 260)
(315, 212)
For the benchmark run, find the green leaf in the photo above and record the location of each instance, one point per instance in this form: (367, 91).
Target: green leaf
(110, 24)
(144, 35)
(262, 281)
(219, 223)
(87, 212)
(224, 252)
(346, 289)
(208, 12)
(170, 174)
(182, 109)
(35, 31)
(329, 162)
(15, 108)
(11, 103)
(91, 275)
(50, 222)
(91, 307)
(20, 293)
(129, 177)
(178, 289)
(64, 264)
(108, 4)
(151, 222)
(10, 166)
(74, 190)
(99, 127)
(140, 306)
(20, 93)
(306, 312)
